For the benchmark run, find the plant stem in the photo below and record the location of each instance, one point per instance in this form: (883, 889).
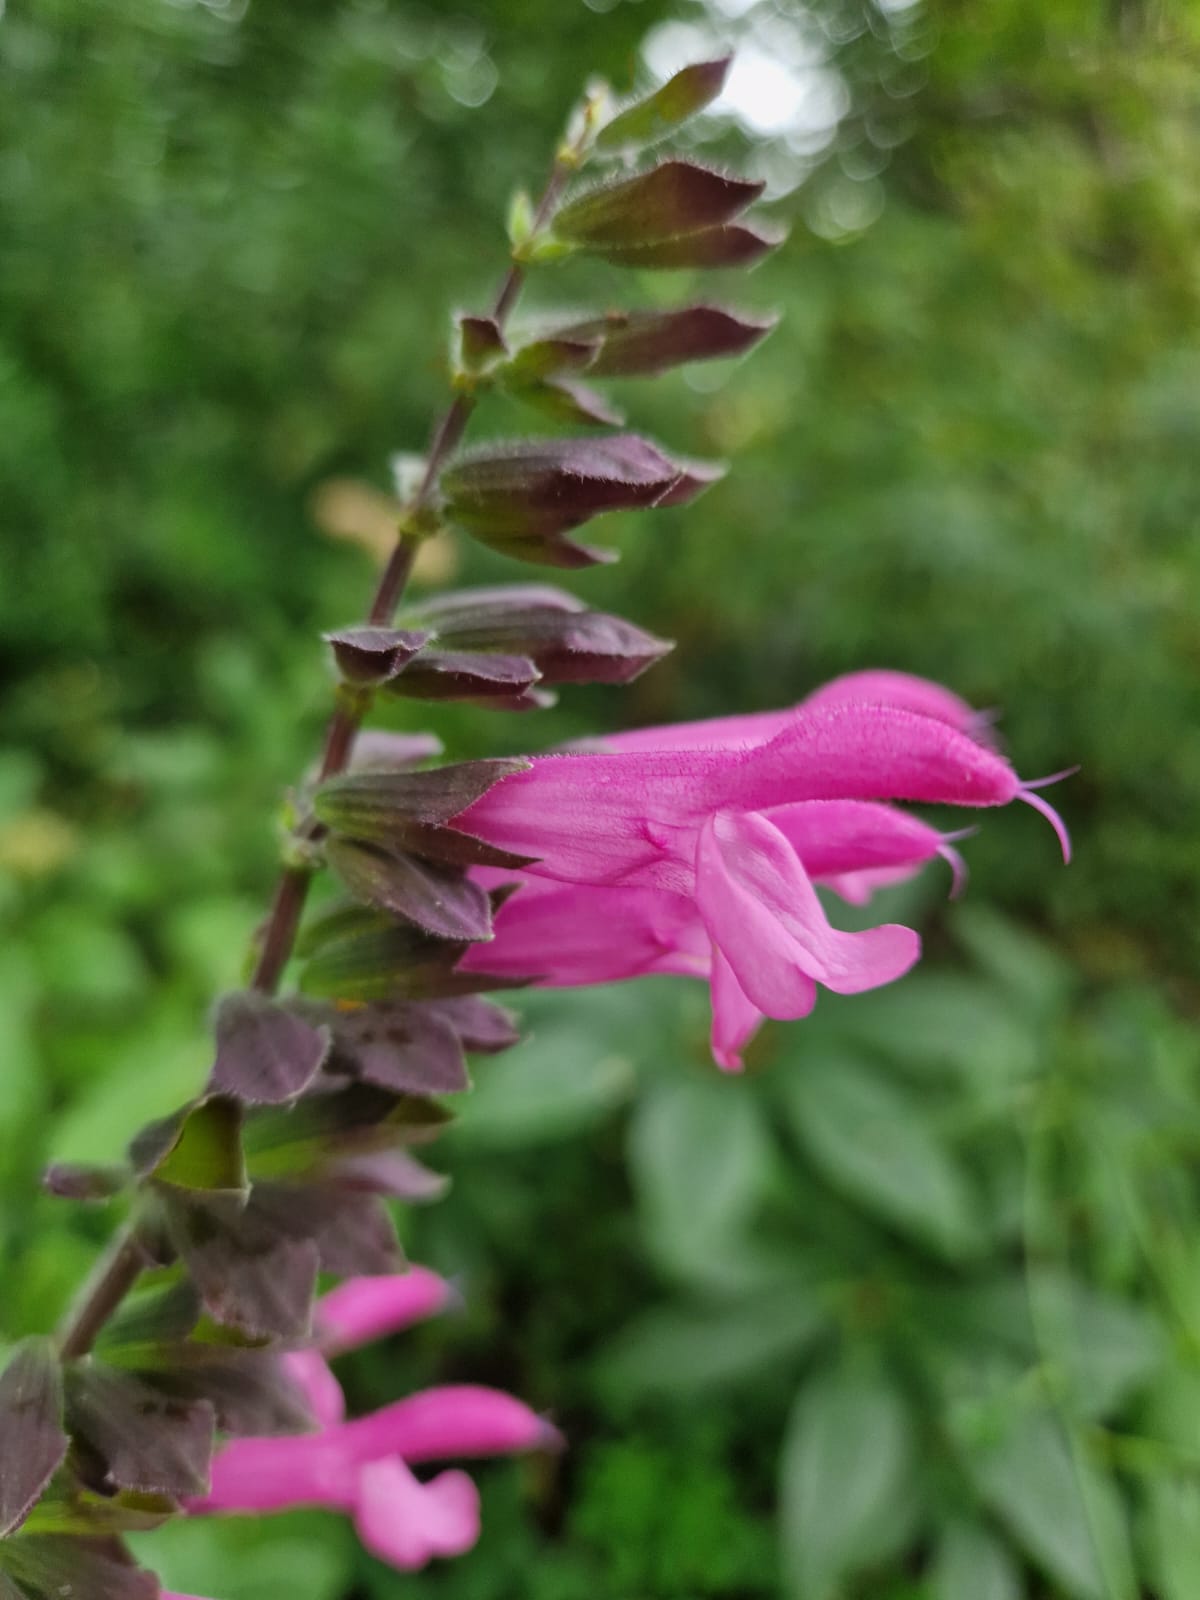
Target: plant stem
(122, 1264)
(291, 892)
(115, 1274)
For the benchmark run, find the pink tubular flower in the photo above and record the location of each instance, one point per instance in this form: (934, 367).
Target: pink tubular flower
(362, 1467)
(695, 849)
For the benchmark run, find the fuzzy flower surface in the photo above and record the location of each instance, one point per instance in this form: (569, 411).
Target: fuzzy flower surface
(697, 849)
(363, 1466)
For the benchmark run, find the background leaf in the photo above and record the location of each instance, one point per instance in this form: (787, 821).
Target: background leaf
(848, 1487)
(699, 1157)
(871, 1140)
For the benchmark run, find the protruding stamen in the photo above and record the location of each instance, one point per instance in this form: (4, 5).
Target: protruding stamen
(1025, 792)
(957, 865)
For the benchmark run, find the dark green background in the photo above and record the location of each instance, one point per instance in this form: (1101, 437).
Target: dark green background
(912, 1312)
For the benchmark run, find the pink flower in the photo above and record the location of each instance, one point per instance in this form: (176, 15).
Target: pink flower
(696, 849)
(362, 1467)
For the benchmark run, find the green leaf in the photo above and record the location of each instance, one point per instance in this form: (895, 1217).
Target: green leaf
(947, 1024)
(382, 961)
(870, 1139)
(685, 1349)
(200, 1148)
(71, 1507)
(700, 1157)
(308, 1554)
(379, 805)
(657, 116)
(848, 1480)
(54, 1568)
(552, 356)
(1106, 1347)
(553, 1086)
(1172, 1532)
(1057, 1505)
(568, 401)
(1023, 963)
(520, 219)
(973, 1564)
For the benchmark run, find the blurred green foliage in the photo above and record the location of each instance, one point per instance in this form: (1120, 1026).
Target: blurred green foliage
(913, 1311)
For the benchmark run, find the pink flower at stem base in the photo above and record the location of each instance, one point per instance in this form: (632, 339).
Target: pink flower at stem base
(362, 1467)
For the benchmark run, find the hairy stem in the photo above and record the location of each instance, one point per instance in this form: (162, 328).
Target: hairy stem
(283, 921)
(121, 1266)
(115, 1274)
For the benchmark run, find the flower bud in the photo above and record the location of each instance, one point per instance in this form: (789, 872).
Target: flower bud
(563, 640)
(522, 498)
(676, 197)
(643, 343)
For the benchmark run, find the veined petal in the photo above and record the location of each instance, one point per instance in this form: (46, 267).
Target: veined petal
(569, 934)
(848, 836)
(869, 752)
(453, 1420)
(362, 1309)
(406, 1523)
(762, 911)
(598, 818)
(735, 1017)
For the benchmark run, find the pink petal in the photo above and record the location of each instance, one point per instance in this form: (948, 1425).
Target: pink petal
(880, 686)
(279, 1474)
(762, 911)
(568, 934)
(840, 836)
(869, 752)
(596, 818)
(735, 1017)
(454, 1420)
(362, 1309)
(309, 1371)
(406, 1523)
